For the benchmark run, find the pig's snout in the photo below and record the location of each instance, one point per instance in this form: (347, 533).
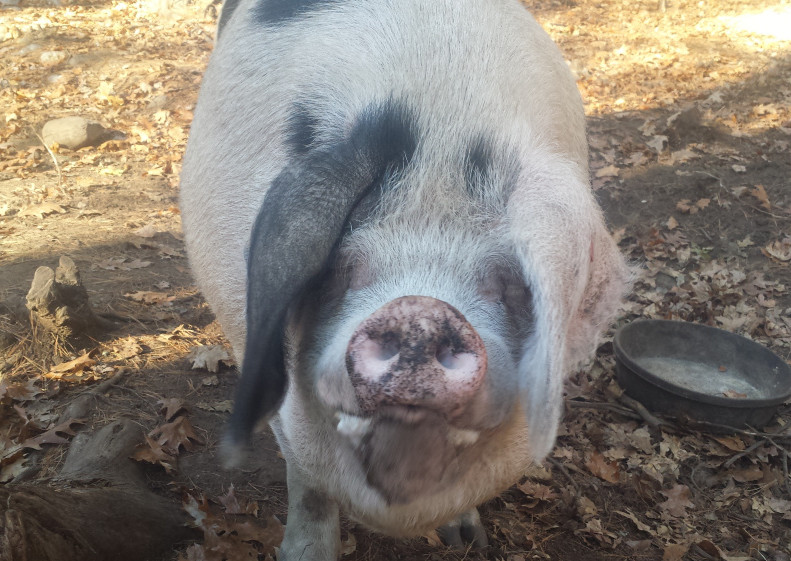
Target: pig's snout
(416, 354)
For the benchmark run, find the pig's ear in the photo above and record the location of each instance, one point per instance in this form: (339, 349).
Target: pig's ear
(577, 278)
(298, 226)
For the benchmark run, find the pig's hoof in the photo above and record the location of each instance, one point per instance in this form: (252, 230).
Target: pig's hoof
(464, 530)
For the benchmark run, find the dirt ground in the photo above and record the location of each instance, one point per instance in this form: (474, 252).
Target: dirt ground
(689, 108)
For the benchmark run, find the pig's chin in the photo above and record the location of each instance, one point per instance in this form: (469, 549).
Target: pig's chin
(407, 453)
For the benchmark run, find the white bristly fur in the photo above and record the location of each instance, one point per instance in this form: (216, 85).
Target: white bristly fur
(466, 69)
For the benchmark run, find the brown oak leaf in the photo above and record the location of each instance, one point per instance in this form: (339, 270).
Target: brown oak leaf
(153, 453)
(172, 436)
(170, 407)
(677, 501)
(601, 468)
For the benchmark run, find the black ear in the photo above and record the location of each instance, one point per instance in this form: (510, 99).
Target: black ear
(300, 223)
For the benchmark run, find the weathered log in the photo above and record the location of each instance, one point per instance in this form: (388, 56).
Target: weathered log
(97, 508)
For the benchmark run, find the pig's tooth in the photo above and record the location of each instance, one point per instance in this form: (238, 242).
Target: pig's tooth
(462, 437)
(355, 428)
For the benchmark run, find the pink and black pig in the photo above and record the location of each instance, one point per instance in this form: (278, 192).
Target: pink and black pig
(387, 206)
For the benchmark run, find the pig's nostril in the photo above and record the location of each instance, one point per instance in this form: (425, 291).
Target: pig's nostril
(388, 348)
(450, 359)
(445, 356)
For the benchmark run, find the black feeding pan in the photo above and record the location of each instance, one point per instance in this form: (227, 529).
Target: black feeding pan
(699, 372)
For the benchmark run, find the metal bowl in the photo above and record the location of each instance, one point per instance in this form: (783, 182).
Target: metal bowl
(701, 373)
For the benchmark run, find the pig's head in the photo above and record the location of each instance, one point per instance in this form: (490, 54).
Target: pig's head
(440, 314)
(415, 358)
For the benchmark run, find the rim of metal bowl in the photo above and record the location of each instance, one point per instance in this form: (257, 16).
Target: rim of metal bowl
(622, 355)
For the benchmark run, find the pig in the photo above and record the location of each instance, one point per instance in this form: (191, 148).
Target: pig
(387, 207)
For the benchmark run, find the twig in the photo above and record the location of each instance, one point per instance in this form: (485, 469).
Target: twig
(744, 452)
(54, 159)
(555, 463)
(756, 434)
(785, 454)
(110, 382)
(701, 552)
(640, 409)
(722, 187)
(602, 406)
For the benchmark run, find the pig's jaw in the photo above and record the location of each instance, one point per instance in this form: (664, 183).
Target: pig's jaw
(406, 453)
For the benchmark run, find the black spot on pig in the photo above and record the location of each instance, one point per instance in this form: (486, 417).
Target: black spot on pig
(477, 165)
(316, 504)
(302, 129)
(268, 12)
(294, 237)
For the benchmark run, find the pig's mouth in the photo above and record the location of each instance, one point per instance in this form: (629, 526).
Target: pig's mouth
(406, 452)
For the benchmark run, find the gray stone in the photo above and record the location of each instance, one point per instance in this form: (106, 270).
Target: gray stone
(74, 132)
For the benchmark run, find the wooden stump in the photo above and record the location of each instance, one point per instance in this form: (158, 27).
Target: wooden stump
(60, 302)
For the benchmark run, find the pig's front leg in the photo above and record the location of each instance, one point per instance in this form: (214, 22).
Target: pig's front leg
(466, 529)
(313, 528)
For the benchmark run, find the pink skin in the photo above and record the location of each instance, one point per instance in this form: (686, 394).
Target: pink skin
(413, 355)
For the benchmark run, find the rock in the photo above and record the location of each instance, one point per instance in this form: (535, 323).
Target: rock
(75, 132)
(52, 58)
(158, 102)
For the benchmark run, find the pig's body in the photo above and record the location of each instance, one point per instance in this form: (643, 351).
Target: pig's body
(452, 134)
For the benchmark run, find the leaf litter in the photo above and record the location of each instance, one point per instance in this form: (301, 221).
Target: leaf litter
(690, 154)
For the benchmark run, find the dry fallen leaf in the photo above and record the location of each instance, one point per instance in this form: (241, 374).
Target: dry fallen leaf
(715, 552)
(53, 435)
(153, 453)
(760, 193)
(12, 469)
(128, 348)
(603, 469)
(150, 297)
(681, 156)
(609, 171)
(147, 231)
(537, 491)
(41, 210)
(778, 250)
(733, 443)
(686, 206)
(225, 406)
(643, 527)
(172, 436)
(675, 552)
(752, 473)
(208, 357)
(658, 143)
(224, 539)
(170, 407)
(677, 501)
(19, 391)
(232, 505)
(77, 365)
